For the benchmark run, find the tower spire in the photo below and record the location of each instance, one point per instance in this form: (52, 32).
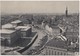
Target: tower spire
(66, 12)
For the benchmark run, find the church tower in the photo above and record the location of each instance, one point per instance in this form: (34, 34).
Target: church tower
(66, 12)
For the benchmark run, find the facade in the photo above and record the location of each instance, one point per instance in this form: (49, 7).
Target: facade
(9, 35)
(26, 31)
(17, 23)
(56, 47)
(54, 51)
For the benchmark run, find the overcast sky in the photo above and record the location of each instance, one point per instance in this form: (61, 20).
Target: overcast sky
(39, 7)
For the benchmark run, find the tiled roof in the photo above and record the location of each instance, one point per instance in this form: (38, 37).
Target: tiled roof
(57, 43)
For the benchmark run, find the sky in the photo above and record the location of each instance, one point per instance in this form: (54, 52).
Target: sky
(39, 6)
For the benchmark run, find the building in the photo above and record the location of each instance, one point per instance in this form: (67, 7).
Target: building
(17, 23)
(30, 43)
(43, 24)
(63, 28)
(26, 31)
(56, 47)
(48, 29)
(66, 12)
(63, 38)
(56, 30)
(72, 36)
(53, 30)
(8, 26)
(9, 36)
(15, 34)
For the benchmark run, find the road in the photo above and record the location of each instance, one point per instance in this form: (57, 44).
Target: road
(41, 34)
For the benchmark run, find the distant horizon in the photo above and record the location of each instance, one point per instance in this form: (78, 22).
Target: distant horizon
(38, 13)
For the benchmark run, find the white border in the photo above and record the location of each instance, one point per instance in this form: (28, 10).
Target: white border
(39, 0)
(44, 0)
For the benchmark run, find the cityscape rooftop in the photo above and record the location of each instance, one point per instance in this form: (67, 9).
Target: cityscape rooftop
(9, 25)
(6, 31)
(16, 21)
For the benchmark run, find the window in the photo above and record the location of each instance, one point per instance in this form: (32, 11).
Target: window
(55, 52)
(64, 53)
(46, 52)
(61, 53)
(49, 52)
(58, 53)
(52, 53)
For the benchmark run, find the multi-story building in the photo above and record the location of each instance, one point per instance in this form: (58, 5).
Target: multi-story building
(15, 34)
(17, 23)
(9, 36)
(54, 30)
(56, 47)
(8, 26)
(26, 31)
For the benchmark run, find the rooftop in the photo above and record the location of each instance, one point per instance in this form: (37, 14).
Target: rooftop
(57, 43)
(72, 34)
(16, 21)
(6, 31)
(63, 38)
(7, 26)
(62, 28)
(24, 28)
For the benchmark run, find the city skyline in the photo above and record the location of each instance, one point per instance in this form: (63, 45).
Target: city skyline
(39, 7)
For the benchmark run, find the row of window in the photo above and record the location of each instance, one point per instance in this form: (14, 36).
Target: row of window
(50, 52)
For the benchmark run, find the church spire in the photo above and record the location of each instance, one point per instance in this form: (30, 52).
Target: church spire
(66, 12)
